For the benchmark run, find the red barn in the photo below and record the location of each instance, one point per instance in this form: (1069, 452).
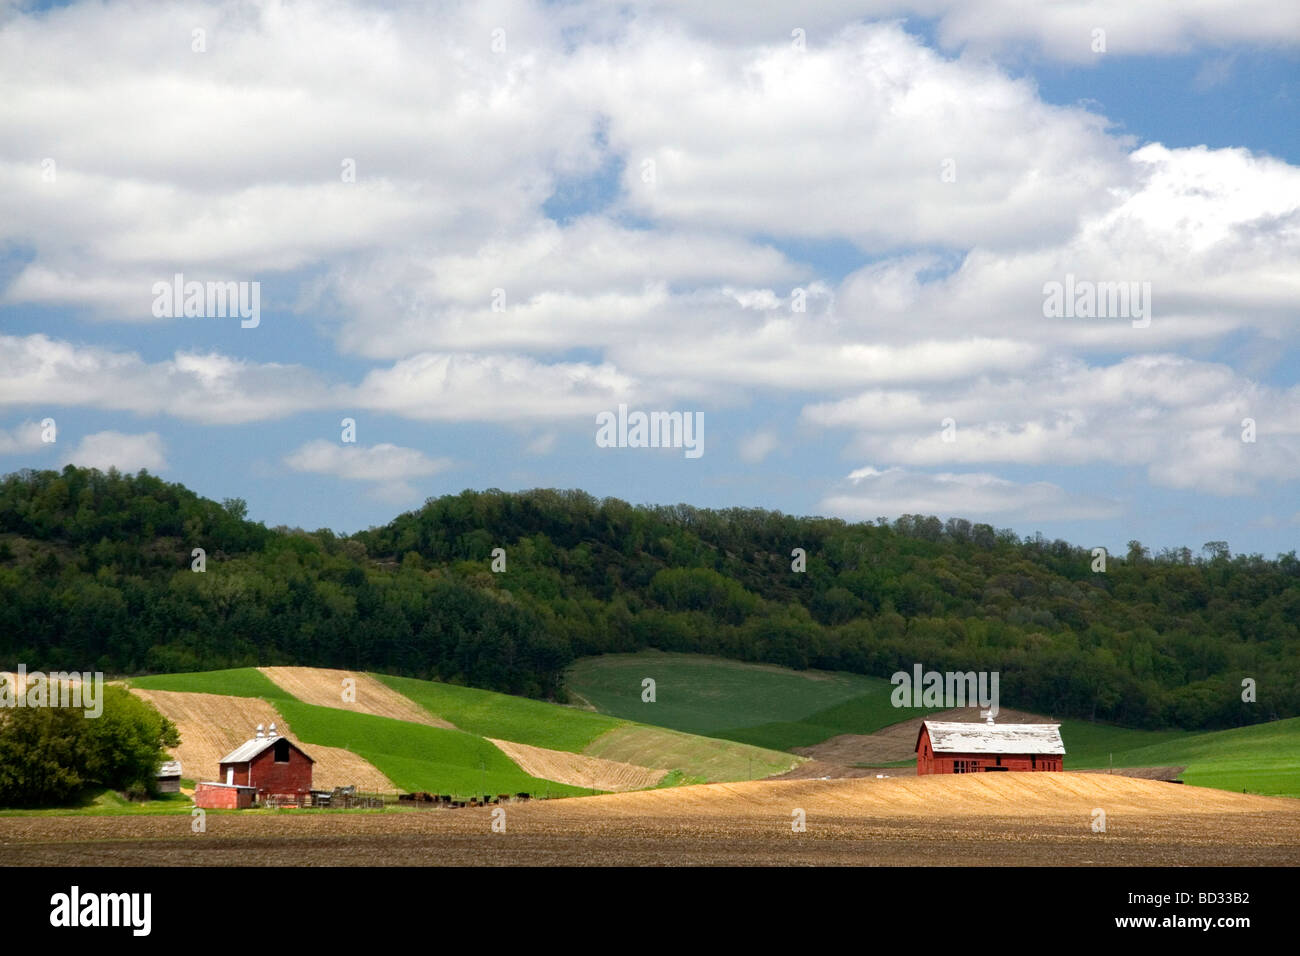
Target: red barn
(947, 747)
(269, 765)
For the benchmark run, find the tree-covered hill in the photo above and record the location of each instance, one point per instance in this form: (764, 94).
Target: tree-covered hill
(95, 573)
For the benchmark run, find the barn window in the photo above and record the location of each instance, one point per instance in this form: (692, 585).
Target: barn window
(282, 751)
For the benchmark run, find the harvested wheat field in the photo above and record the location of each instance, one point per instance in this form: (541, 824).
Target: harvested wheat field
(951, 795)
(212, 725)
(959, 820)
(324, 687)
(579, 771)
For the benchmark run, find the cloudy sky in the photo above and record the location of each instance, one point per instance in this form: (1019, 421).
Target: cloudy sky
(475, 226)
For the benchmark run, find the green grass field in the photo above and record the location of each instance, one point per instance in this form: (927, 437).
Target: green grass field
(756, 704)
(692, 758)
(519, 719)
(1263, 758)
(108, 803)
(696, 757)
(237, 682)
(1090, 745)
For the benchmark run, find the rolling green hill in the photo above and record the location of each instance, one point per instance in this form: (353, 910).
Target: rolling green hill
(757, 704)
(692, 758)
(505, 717)
(1262, 758)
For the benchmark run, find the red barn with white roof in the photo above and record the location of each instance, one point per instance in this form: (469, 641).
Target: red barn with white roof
(952, 747)
(268, 765)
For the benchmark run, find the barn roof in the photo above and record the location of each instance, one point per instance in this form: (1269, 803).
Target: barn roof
(251, 748)
(972, 738)
(172, 768)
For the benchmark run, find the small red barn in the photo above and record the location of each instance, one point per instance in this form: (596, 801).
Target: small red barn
(952, 747)
(223, 796)
(270, 766)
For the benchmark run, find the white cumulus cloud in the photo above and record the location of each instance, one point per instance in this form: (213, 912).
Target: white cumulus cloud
(126, 453)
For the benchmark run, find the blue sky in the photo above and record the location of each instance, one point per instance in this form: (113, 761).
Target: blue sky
(641, 190)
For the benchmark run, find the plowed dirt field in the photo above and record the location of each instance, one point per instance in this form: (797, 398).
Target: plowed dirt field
(988, 819)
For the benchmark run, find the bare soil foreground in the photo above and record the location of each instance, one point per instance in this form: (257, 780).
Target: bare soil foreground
(977, 819)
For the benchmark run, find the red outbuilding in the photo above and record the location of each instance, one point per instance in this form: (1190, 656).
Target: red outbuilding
(223, 796)
(950, 747)
(271, 767)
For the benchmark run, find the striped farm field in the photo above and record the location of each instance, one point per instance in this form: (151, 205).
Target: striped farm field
(699, 759)
(519, 719)
(419, 757)
(400, 754)
(422, 735)
(759, 704)
(693, 757)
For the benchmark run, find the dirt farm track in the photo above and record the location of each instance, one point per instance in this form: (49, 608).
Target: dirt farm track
(980, 819)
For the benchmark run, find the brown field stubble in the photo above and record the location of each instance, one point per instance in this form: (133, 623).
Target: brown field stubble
(994, 819)
(324, 687)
